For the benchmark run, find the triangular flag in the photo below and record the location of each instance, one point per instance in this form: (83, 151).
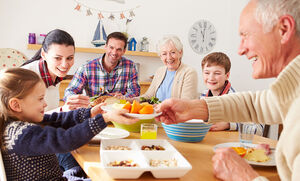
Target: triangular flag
(122, 16)
(111, 17)
(100, 16)
(77, 7)
(89, 12)
(131, 13)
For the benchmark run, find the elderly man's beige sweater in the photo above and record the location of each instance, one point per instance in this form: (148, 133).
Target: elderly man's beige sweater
(279, 104)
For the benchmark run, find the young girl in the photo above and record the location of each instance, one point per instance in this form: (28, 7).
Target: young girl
(29, 139)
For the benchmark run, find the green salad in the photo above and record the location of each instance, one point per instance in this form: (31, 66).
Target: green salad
(152, 100)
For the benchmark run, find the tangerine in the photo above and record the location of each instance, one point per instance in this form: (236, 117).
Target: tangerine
(147, 109)
(240, 151)
(127, 106)
(135, 108)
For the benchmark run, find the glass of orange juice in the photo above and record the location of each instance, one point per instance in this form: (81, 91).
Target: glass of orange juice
(148, 131)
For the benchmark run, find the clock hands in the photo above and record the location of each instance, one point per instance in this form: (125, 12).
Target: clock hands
(203, 33)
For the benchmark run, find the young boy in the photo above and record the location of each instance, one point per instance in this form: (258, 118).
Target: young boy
(215, 72)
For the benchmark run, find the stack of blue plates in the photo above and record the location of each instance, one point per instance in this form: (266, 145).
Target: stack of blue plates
(190, 131)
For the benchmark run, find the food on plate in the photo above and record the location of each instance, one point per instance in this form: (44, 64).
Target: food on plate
(147, 109)
(257, 155)
(265, 147)
(135, 107)
(152, 100)
(116, 147)
(152, 147)
(252, 154)
(240, 151)
(163, 163)
(123, 163)
(127, 106)
(98, 100)
(108, 99)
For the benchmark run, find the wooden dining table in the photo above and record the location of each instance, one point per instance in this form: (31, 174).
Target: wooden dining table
(198, 154)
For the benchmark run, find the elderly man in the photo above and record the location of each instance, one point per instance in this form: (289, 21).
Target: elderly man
(111, 73)
(270, 37)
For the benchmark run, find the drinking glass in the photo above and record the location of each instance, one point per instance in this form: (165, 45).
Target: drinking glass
(246, 132)
(148, 131)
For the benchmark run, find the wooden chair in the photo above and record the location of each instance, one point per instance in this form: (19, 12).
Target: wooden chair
(266, 130)
(272, 131)
(11, 58)
(2, 169)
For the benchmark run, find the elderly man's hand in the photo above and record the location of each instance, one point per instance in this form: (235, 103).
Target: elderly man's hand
(173, 111)
(228, 165)
(180, 110)
(76, 101)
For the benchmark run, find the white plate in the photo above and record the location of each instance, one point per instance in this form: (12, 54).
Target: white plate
(271, 162)
(111, 133)
(139, 116)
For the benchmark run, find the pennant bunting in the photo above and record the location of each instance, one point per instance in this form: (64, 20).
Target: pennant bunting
(77, 7)
(124, 14)
(111, 17)
(131, 14)
(89, 12)
(100, 16)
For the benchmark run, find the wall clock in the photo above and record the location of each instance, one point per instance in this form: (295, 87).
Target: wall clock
(202, 36)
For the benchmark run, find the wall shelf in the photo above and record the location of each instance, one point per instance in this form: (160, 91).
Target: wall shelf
(99, 51)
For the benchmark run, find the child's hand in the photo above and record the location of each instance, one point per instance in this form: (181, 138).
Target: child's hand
(119, 117)
(76, 101)
(97, 110)
(220, 126)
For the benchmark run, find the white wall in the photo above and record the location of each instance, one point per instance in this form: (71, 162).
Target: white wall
(154, 19)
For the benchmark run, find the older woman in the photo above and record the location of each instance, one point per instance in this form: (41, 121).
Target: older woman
(270, 37)
(175, 79)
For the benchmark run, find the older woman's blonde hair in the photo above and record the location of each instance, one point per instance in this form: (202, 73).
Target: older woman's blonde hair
(169, 39)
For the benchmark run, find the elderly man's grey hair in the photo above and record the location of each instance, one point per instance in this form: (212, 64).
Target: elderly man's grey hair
(268, 12)
(169, 39)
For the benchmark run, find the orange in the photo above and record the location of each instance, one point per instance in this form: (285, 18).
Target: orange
(135, 107)
(127, 106)
(240, 151)
(147, 109)
(144, 104)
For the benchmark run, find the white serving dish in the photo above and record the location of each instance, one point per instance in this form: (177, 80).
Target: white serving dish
(142, 158)
(124, 172)
(116, 142)
(157, 142)
(183, 166)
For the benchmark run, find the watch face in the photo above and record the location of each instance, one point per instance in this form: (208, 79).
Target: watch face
(202, 36)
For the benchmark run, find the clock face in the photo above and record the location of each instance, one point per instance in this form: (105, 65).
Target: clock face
(202, 36)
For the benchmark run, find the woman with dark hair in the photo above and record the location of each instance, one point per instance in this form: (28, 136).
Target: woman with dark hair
(52, 62)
